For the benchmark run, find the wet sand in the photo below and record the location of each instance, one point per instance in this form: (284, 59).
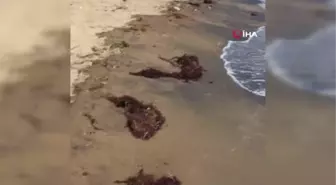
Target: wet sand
(215, 133)
(212, 133)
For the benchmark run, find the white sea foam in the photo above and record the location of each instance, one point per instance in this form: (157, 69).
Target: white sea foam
(244, 61)
(262, 4)
(245, 64)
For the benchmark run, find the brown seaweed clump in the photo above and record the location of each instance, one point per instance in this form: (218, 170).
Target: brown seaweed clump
(146, 179)
(208, 1)
(143, 120)
(190, 69)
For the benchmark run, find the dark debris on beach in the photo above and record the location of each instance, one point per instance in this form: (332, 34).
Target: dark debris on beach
(143, 120)
(199, 3)
(190, 69)
(147, 179)
(173, 7)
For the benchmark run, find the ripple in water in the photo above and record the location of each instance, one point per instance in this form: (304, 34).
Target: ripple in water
(245, 63)
(307, 64)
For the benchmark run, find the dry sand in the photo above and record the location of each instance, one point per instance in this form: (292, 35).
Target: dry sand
(89, 17)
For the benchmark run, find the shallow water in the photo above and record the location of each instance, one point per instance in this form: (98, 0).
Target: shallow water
(307, 64)
(307, 60)
(245, 63)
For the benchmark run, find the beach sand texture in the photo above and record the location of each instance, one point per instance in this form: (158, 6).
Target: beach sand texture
(34, 92)
(202, 142)
(215, 132)
(89, 17)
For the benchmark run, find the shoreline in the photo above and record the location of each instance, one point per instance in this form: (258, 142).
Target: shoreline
(215, 132)
(213, 113)
(261, 93)
(105, 51)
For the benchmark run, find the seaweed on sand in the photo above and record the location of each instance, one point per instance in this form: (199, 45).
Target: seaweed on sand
(146, 179)
(190, 69)
(143, 120)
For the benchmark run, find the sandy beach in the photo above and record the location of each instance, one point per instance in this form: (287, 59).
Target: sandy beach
(91, 17)
(214, 132)
(202, 142)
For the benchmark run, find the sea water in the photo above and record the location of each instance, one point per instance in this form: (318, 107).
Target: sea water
(245, 63)
(309, 63)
